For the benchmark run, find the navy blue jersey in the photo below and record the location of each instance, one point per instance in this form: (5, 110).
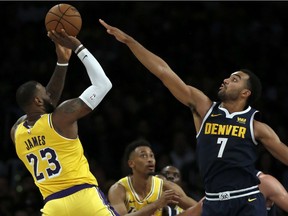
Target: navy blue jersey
(226, 149)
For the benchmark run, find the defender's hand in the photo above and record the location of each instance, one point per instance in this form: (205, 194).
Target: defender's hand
(117, 33)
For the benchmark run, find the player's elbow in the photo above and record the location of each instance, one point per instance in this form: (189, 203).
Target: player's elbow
(108, 85)
(164, 71)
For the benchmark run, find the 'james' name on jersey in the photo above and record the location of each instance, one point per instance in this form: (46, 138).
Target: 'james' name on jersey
(35, 141)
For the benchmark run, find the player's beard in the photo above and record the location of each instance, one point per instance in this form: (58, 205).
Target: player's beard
(49, 108)
(223, 96)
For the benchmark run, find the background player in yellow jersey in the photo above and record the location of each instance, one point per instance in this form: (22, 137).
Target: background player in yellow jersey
(46, 138)
(141, 193)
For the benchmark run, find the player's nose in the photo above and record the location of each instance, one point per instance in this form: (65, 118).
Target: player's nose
(226, 81)
(170, 177)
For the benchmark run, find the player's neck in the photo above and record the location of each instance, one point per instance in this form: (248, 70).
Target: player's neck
(141, 185)
(233, 107)
(33, 117)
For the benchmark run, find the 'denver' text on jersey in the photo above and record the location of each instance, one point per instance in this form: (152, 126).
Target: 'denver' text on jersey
(227, 130)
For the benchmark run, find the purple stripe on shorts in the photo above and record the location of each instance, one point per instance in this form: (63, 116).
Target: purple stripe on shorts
(67, 192)
(105, 201)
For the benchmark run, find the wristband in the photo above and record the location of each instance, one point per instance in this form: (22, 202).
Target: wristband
(78, 48)
(62, 64)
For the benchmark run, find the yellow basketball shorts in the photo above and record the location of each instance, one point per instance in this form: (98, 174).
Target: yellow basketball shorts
(86, 202)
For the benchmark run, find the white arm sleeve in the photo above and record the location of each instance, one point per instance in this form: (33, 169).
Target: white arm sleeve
(101, 84)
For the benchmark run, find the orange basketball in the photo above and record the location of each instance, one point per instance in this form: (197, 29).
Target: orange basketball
(64, 16)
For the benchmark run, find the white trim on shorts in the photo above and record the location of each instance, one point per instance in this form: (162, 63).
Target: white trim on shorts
(227, 195)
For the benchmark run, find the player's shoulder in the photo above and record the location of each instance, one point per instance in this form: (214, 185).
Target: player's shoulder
(13, 129)
(117, 190)
(167, 185)
(19, 121)
(261, 129)
(117, 186)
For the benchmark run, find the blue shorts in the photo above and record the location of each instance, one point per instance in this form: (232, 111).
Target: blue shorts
(251, 205)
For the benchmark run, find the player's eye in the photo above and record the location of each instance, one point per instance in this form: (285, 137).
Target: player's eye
(143, 156)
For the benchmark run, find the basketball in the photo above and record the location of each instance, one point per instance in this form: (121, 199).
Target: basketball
(63, 16)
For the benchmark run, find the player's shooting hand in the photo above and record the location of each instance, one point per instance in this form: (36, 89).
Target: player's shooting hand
(64, 39)
(63, 53)
(117, 33)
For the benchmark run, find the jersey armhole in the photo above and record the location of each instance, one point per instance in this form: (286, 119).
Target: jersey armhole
(205, 117)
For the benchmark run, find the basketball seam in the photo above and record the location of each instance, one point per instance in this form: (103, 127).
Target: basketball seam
(62, 14)
(60, 17)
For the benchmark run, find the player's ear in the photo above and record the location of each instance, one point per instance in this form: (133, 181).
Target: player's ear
(246, 93)
(131, 163)
(38, 101)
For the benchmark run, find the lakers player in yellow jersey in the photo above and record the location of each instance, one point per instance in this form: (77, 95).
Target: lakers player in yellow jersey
(134, 202)
(141, 193)
(46, 138)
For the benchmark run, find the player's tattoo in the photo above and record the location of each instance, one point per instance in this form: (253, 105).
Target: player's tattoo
(73, 105)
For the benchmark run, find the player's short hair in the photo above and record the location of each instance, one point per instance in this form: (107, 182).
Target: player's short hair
(25, 94)
(133, 145)
(254, 85)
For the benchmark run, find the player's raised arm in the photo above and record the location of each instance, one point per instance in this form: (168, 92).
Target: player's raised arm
(68, 112)
(56, 83)
(46, 137)
(186, 94)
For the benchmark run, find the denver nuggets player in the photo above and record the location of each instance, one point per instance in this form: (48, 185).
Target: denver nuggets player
(227, 134)
(46, 138)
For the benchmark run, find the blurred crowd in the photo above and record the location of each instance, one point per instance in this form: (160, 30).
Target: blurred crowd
(202, 41)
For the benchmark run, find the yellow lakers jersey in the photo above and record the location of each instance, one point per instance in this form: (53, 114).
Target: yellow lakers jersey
(134, 203)
(55, 162)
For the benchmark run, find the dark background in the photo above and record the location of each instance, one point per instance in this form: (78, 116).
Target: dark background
(202, 41)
